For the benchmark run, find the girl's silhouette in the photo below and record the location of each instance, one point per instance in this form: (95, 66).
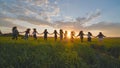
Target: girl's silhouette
(81, 34)
(27, 33)
(55, 34)
(72, 36)
(45, 34)
(89, 36)
(35, 33)
(65, 35)
(100, 36)
(15, 33)
(61, 34)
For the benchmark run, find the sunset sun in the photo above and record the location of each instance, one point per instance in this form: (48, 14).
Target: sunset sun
(69, 35)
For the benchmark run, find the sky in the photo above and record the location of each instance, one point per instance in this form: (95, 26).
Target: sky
(87, 15)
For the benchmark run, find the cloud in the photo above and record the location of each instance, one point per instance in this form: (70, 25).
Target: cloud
(78, 23)
(33, 11)
(6, 23)
(112, 26)
(89, 17)
(109, 28)
(47, 13)
(42, 12)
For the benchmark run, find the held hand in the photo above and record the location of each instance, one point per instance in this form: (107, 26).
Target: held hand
(29, 35)
(86, 34)
(95, 36)
(41, 33)
(58, 34)
(22, 32)
(75, 36)
(104, 35)
(38, 33)
(50, 33)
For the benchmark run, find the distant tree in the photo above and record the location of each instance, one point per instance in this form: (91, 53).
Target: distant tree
(0, 32)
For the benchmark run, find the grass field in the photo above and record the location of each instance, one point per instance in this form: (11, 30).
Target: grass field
(49, 54)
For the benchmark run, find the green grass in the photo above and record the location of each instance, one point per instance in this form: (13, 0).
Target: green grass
(49, 54)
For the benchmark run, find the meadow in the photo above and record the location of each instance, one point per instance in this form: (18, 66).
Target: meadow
(60, 54)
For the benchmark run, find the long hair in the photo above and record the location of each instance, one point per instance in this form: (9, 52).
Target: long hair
(90, 33)
(34, 30)
(28, 30)
(14, 28)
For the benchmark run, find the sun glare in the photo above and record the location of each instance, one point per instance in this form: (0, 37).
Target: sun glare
(68, 35)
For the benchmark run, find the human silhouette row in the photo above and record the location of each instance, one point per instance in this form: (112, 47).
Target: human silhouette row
(62, 35)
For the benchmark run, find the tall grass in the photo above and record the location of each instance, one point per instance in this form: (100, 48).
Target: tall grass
(50, 54)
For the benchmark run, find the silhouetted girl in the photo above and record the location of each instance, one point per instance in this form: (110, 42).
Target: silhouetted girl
(35, 33)
(15, 33)
(61, 34)
(89, 36)
(72, 36)
(45, 34)
(81, 34)
(27, 33)
(55, 34)
(65, 35)
(100, 36)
